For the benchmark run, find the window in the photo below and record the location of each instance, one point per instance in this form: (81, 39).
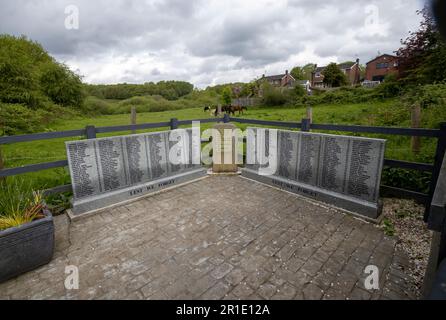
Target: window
(318, 74)
(382, 65)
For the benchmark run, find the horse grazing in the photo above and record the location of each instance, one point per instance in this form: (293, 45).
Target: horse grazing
(229, 109)
(233, 109)
(240, 109)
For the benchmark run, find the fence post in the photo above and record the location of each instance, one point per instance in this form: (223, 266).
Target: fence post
(2, 166)
(310, 114)
(416, 122)
(226, 118)
(173, 124)
(133, 118)
(90, 132)
(306, 125)
(439, 154)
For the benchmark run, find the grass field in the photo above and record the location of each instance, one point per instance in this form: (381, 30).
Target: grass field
(378, 114)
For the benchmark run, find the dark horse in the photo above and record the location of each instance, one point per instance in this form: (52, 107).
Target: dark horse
(240, 109)
(233, 109)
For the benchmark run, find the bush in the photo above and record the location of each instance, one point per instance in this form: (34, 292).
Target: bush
(95, 106)
(19, 204)
(390, 88)
(61, 85)
(18, 119)
(30, 77)
(406, 179)
(273, 96)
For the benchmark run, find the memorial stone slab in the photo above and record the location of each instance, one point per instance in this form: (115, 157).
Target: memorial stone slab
(340, 170)
(108, 171)
(224, 149)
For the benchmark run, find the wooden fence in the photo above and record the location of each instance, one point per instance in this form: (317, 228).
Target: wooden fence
(90, 132)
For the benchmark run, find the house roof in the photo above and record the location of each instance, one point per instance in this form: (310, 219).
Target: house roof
(342, 66)
(347, 65)
(383, 55)
(276, 77)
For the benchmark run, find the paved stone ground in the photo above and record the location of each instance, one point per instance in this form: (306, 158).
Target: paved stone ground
(218, 238)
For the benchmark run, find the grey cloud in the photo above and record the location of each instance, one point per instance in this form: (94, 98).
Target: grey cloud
(203, 41)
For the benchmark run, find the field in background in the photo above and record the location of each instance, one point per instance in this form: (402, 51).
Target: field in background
(375, 114)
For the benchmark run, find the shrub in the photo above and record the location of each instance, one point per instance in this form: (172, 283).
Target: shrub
(18, 119)
(95, 106)
(273, 96)
(19, 204)
(29, 76)
(406, 179)
(61, 85)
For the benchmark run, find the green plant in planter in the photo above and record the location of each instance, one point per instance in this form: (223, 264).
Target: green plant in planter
(19, 204)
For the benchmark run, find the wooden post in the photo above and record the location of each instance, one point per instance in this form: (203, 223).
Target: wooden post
(310, 114)
(416, 123)
(90, 132)
(2, 166)
(133, 118)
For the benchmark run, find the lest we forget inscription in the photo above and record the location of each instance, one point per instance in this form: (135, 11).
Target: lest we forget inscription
(340, 170)
(107, 171)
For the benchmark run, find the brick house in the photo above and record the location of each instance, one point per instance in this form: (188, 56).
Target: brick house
(351, 70)
(280, 80)
(378, 68)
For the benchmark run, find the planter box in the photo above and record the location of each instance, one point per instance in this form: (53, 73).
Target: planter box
(27, 247)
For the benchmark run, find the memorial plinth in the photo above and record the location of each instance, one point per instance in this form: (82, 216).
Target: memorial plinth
(224, 149)
(109, 171)
(339, 170)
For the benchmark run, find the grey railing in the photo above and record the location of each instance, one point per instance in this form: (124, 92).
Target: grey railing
(90, 132)
(435, 278)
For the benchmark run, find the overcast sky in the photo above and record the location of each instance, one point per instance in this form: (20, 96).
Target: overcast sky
(208, 42)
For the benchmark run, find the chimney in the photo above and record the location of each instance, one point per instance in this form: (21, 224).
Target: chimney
(286, 72)
(357, 61)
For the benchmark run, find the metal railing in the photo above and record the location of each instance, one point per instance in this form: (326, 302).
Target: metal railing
(90, 132)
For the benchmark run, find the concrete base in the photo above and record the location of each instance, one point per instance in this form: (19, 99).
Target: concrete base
(212, 173)
(93, 205)
(366, 210)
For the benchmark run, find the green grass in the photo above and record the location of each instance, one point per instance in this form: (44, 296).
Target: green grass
(354, 114)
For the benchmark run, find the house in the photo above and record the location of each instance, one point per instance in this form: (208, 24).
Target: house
(351, 70)
(378, 68)
(280, 80)
(304, 83)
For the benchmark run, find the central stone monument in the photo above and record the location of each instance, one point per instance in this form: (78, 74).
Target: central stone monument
(224, 149)
(109, 171)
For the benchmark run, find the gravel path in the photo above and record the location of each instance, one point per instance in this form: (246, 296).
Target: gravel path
(404, 219)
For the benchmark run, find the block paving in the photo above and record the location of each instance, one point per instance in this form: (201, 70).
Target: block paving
(221, 237)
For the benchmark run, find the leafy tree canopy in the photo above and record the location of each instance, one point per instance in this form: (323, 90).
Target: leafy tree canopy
(303, 73)
(333, 76)
(29, 76)
(422, 56)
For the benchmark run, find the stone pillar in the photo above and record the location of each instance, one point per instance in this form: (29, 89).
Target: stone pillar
(224, 149)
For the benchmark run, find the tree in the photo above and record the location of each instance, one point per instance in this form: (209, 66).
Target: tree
(307, 70)
(226, 95)
(297, 73)
(422, 56)
(333, 76)
(303, 73)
